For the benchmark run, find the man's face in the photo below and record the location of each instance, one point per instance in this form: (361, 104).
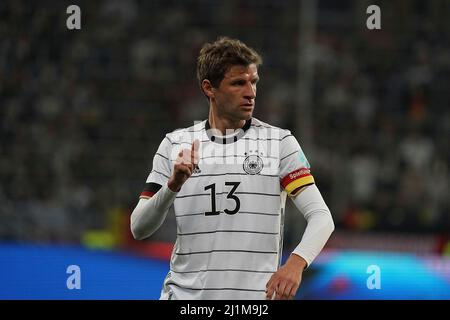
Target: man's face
(235, 96)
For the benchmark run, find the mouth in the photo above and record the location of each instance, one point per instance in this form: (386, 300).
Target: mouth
(247, 108)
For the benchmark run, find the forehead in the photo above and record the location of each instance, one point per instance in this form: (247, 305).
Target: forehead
(250, 71)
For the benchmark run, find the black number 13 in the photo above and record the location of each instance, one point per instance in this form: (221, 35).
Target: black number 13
(230, 195)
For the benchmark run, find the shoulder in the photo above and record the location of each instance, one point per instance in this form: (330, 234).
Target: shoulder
(186, 134)
(259, 125)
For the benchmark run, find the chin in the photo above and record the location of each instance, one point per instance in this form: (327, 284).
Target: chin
(247, 115)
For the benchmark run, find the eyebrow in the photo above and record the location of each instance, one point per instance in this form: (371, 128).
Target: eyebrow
(240, 78)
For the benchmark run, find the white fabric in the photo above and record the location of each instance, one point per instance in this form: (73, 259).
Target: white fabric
(218, 254)
(149, 214)
(320, 223)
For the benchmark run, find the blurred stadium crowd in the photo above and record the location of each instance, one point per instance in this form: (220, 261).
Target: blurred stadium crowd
(82, 112)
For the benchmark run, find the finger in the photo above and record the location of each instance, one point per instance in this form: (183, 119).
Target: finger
(282, 290)
(183, 169)
(188, 166)
(287, 291)
(293, 291)
(269, 283)
(270, 292)
(269, 289)
(184, 165)
(275, 295)
(195, 145)
(278, 294)
(194, 151)
(179, 158)
(186, 156)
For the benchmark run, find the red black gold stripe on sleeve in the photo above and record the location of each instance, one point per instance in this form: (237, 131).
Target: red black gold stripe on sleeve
(296, 180)
(150, 189)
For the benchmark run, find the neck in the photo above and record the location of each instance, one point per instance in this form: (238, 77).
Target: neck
(223, 123)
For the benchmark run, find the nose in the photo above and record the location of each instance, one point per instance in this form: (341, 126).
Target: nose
(250, 91)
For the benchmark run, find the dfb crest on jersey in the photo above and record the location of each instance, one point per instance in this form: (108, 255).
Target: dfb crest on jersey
(253, 164)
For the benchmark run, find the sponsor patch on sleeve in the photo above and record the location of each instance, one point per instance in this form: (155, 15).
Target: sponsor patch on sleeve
(297, 179)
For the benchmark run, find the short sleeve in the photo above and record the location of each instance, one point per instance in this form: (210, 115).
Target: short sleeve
(161, 169)
(295, 172)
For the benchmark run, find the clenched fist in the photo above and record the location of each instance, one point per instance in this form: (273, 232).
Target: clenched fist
(185, 164)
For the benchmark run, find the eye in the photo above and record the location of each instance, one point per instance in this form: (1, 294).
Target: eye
(238, 83)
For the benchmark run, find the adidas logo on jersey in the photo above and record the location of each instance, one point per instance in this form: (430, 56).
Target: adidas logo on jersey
(196, 170)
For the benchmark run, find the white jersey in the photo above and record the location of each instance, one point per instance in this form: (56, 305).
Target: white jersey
(230, 212)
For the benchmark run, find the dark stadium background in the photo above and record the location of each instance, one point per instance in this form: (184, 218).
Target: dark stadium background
(83, 111)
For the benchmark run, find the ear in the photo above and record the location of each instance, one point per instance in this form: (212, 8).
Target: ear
(208, 88)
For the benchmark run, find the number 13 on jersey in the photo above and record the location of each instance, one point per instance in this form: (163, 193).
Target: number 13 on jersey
(230, 195)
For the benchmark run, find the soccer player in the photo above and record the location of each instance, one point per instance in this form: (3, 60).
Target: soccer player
(228, 178)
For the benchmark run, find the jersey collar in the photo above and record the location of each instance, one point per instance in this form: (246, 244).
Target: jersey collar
(239, 133)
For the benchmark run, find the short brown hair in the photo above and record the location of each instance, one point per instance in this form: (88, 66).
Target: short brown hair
(216, 58)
